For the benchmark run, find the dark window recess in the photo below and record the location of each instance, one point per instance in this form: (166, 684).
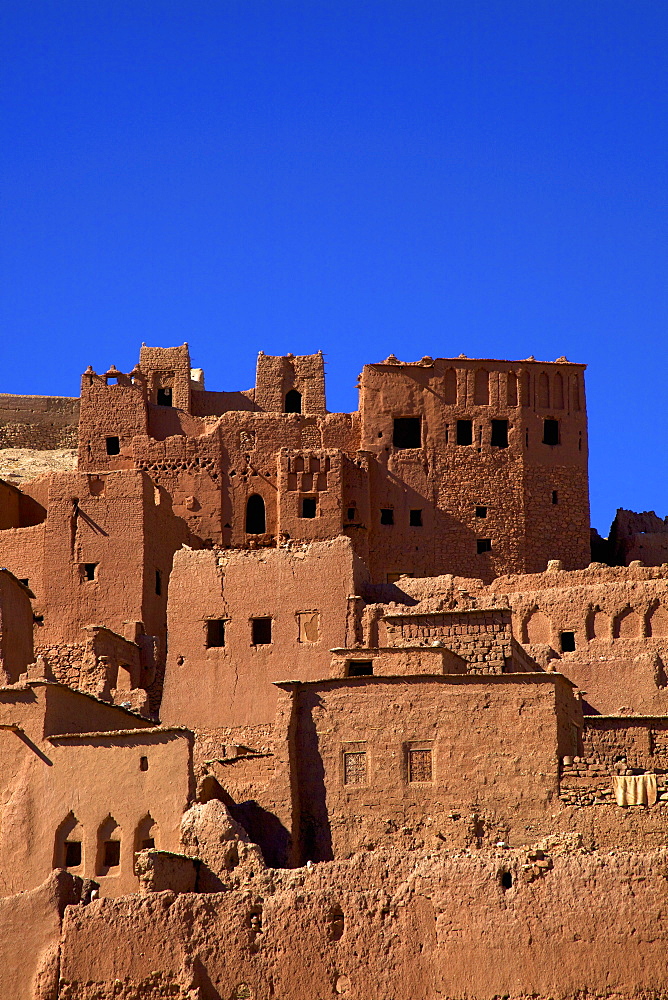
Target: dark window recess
(143, 763)
(165, 397)
(215, 632)
(567, 642)
(256, 521)
(551, 432)
(386, 515)
(72, 853)
(38, 619)
(481, 512)
(499, 433)
(555, 496)
(360, 668)
(89, 570)
(112, 853)
(352, 513)
(293, 401)
(261, 631)
(415, 518)
(148, 844)
(464, 432)
(113, 446)
(506, 880)
(309, 506)
(483, 545)
(407, 432)
(158, 582)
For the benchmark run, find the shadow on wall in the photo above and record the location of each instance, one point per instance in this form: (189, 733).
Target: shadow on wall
(315, 835)
(265, 830)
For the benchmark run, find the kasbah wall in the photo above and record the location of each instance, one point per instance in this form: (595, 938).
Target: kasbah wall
(301, 704)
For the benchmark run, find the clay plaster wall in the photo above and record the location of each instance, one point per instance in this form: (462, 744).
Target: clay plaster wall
(16, 645)
(422, 925)
(492, 747)
(233, 683)
(89, 787)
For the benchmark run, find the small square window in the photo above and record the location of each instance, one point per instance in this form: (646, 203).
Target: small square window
(90, 571)
(309, 506)
(483, 545)
(261, 631)
(407, 432)
(464, 432)
(551, 432)
(481, 512)
(354, 767)
(360, 668)
(419, 765)
(113, 446)
(215, 633)
(386, 515)
(415, 518)
(165, 397)
(499, 433)
(567, 642)
(72, 853)
(112, 853)
(148, 844)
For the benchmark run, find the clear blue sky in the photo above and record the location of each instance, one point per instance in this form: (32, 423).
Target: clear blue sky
(409, 176)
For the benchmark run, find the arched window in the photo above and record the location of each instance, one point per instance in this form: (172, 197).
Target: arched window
(108, 848)
(293, 401)
(69, 842)
(256, 520)
(146, 834)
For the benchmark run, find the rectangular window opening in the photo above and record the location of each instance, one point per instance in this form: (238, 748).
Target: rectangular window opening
(158, 582)
(215, 633)
(261, 631)
(483, 545)
(360, 668)
(90, 571)
(352, 513)
(148, 844)
(309, 506)
(72, 853)
(555, 497)
(112, 853)
(415, 518)
(419, 765)
(551, 432)
(481, 512)
(464, 432)
(113, 446)
(499, 434)
(567, 642)
(354, 767)
(407, 432)
(165, 397)
(386, 515)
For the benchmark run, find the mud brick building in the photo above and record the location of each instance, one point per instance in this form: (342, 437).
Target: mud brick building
(307, 704)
